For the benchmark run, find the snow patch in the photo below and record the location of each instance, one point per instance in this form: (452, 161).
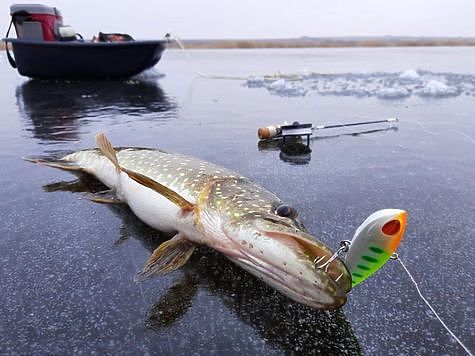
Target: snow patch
(394, 93)
(399, 85)
(255, 82)
(410, 74)
(435, 88)
(284, 87)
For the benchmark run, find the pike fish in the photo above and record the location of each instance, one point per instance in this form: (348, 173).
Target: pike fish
(205, 204)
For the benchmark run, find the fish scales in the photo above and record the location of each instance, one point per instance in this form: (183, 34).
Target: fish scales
(184, 174)
(204, 203)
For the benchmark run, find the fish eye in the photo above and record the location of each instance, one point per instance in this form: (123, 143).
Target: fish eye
(286, 211)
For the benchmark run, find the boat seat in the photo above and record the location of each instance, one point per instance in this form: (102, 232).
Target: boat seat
(36, 22)
(29, 30)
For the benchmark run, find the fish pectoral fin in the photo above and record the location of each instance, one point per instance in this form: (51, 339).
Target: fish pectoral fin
(108, 150)
(168, 193)
(169, 256)
(105, 197)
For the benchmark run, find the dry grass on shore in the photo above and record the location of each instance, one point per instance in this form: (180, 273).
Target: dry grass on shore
(327, 43)
(309, 42)
(3, 46)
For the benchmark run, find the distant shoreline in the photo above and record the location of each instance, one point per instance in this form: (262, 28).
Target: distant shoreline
(331, 42)
(322, 42)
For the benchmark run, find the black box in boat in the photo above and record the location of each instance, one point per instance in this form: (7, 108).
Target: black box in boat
(45, 48)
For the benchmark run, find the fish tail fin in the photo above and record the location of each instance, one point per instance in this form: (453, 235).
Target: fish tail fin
(167, 257)
(107, 150)
(64, 165)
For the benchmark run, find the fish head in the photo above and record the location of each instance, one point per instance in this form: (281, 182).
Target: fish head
(274, 248)
(285, 257)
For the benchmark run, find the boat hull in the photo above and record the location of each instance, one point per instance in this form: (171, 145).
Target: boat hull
(81, 60)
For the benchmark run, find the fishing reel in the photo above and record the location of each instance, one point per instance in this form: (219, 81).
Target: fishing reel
(293, 139)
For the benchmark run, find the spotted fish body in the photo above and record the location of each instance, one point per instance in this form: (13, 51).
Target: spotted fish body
(183, 174)
(229, 213)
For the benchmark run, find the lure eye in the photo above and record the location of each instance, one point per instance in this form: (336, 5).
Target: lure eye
(392, 227)
(286, 211)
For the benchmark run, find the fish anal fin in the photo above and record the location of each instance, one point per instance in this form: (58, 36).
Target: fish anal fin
(169, 256)
(168, 193)
(64, 165)
(105, 146)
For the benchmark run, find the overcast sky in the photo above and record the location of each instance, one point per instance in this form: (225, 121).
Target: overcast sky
(265, 18)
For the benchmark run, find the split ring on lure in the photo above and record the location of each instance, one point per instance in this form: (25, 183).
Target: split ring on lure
(374, 242)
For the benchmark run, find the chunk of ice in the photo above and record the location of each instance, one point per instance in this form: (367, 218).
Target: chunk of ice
(378, 84)
(393, 93)
(409, 75)
(278, 84)
(283, 87)
(255, 82)
(437, 88)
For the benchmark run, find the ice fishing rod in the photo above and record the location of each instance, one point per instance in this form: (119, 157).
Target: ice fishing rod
(297, 129)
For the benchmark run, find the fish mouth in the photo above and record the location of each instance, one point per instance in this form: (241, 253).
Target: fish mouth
(328, 298)
(285, 261)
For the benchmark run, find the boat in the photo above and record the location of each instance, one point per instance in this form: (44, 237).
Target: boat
(45, 48)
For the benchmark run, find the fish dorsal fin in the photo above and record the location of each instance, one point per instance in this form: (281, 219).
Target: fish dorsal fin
(108, 150)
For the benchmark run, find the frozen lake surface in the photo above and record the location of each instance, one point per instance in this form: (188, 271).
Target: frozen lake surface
(67, 264)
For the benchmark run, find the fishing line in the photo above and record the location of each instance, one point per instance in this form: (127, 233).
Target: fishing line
(468, 137)
(397, 258)
(192, 65)
(278, 75)
(203, 74)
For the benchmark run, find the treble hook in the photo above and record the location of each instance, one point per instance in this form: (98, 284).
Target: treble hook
(344, 246)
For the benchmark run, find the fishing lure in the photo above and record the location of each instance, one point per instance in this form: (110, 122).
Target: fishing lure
(374, 242)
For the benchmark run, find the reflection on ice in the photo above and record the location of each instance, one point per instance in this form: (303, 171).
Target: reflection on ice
(283, 326)
(57, 110)
(378, 84)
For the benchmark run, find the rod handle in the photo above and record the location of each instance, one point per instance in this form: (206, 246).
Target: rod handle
(269, 132)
